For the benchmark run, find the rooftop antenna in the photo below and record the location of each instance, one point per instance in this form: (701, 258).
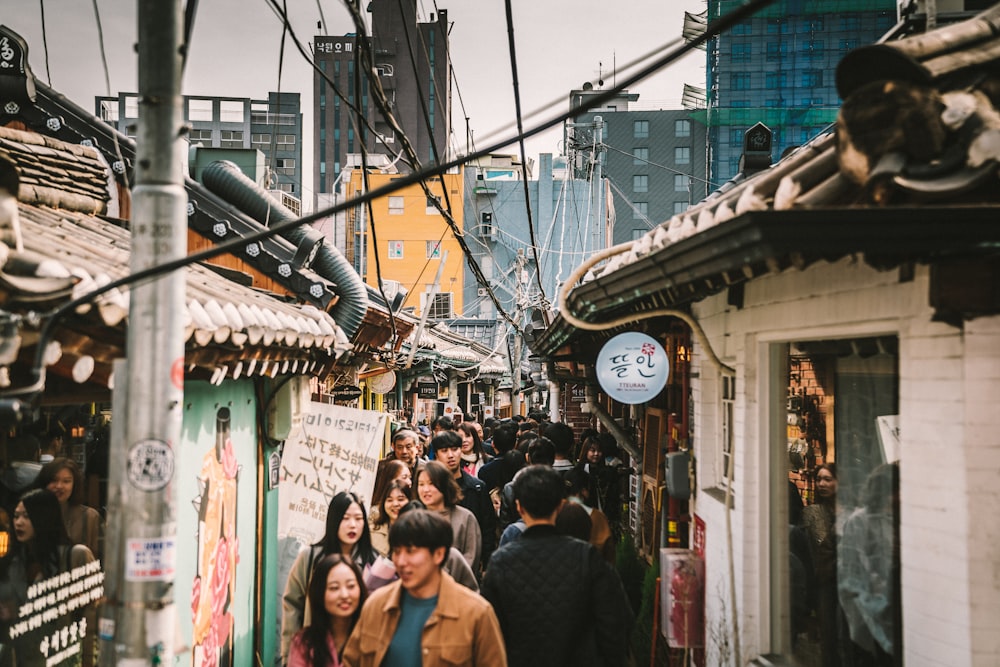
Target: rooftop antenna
(600, 74)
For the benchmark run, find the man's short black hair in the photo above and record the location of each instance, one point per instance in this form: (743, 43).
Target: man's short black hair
(539, 489)
(542, 451)
(561, 436)
(504, 437)
(421, 528)
(444, 423)
(446, 440)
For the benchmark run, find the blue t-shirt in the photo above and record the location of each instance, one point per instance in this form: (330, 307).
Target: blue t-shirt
(404, 649)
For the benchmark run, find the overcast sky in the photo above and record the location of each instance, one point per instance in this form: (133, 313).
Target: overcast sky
(235, 52)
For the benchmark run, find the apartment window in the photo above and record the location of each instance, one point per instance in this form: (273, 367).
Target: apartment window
(726, 426)
(681, 182)
(200, 110)
(640, 156)
(743, 28)
(850, 22)
(640, 129)
(231, 139)
(739, 80)
(848, 44)
(682, 128)
(813, 49)
(109, 111)
(486, 226)
(778, 27)
(741, 52)
(638, 234)
(285, 165)
(197, 135)
(640, 210)
(640, 183)
(812, 24)
(774, 80)
(682, 155)
(740, 104)
(131, 106)
(812, 78)
(680, 207)
(285, 140)
(775, 51)
(441, 306)
(395, 205)
(231, 111)
(260, 140)
(838, 528)
(431, 208)
(433, 249)
(395, 250)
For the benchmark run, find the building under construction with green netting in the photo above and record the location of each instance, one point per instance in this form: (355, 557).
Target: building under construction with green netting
(777, 68)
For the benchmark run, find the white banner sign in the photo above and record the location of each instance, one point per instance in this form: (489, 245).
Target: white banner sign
(337, 450)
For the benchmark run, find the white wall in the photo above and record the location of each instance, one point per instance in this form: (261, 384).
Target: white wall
(949, 389)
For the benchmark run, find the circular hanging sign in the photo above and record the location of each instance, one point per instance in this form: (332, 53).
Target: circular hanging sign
(632, 368)
(382, 384)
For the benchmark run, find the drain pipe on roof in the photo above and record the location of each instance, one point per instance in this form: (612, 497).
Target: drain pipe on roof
(713, 359)
(225, 179)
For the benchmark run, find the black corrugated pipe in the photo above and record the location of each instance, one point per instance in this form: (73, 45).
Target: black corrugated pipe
(225, 179)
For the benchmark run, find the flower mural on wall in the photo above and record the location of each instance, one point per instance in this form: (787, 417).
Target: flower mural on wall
(218, 551)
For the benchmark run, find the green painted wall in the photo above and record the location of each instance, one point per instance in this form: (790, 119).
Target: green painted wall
(212, 537)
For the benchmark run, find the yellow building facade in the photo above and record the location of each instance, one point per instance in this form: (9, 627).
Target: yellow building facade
(411, 239)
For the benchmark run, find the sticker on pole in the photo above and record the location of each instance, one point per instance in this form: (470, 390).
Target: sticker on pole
(632, 368)
(150, 465)
(150, 558)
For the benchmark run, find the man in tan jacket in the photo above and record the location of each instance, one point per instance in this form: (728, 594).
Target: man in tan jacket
(424, 618)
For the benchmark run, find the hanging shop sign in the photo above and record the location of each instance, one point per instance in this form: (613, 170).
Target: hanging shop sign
(427, 390)
(632, 368)
(345, 392)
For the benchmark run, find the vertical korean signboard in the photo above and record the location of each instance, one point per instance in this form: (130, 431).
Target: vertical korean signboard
(338, 450)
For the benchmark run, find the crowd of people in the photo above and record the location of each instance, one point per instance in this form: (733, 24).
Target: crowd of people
(483, 545)
(52, 532)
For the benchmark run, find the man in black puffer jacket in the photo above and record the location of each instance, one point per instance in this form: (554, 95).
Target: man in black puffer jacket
(558, 602)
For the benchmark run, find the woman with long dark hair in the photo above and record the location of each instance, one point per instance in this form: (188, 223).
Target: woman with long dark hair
(40, 550)
(336, 595)
(819, 521)
(62, 476)
(397, 494)
(439, 492)
(347, 534)
(389, 470)
(474, 456)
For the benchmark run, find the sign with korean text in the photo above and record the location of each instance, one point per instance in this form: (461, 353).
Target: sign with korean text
(632, 368)
(338, 451)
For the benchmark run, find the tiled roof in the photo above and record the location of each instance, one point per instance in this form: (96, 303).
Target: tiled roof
(226, 322)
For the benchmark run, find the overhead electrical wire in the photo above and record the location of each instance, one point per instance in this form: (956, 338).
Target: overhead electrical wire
(53, 316)
(378, 95)
(520, 128)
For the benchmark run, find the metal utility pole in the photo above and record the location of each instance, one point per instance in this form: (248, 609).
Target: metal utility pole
(428, 304)
(599, 231)
(137, 625)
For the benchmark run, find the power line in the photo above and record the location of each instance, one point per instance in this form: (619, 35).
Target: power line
(520, 128)
(51, 318)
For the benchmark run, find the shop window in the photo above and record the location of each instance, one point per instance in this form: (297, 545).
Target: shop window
(834, 409)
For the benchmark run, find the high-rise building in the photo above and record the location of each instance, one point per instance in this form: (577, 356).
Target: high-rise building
(653, 160)
(412, 62)
(272, 126)
(777, 68)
